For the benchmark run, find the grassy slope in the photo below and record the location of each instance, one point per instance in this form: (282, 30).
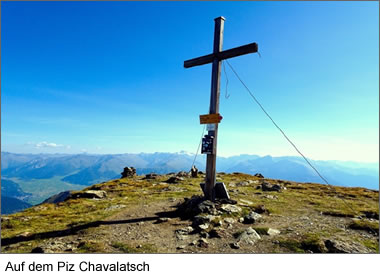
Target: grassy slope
(298, 201)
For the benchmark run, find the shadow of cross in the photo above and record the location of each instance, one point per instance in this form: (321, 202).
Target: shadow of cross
(73, 230)
(216, 58)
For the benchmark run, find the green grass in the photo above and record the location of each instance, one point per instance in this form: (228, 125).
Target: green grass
(292, 202)
(292, 245)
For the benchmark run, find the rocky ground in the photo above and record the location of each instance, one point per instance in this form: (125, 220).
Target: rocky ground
(166, 214)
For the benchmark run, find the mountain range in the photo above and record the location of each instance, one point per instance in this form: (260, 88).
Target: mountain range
(72, 171)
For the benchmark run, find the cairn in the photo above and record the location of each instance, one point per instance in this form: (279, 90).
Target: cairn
(128, 172)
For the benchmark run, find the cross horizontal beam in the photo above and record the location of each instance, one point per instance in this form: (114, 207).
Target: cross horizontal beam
(250, 48)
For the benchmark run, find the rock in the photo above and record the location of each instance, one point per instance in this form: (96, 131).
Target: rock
(249, 236)
(203, 219)
(207, 206)
(194, 172)
(218, 223)
(267, 187)
(229, 220)
(241, 219)
(232, 184)
(184, 231)
(203, 243)
(272, 231)
(246, 201)
(216, 233)
(229, 208)
(128, 172)
(235, 245)
(220, 190)
(260, 209)
(204, 234)
(336, 246)
(371, 215)
(181, 247)
(270, 196)
(88, 194)
(25, 234)
(259, 175)
(150, 176)
(204, 226)
(37, 250)
(225, 201)
(162, 220)
(242, 184)
(174, 180)
(114, 207)
(252, 218)
(182, 174)
(62, 196)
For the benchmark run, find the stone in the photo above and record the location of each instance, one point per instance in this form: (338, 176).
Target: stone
(182, 174)
(371, 215)
(260, 209)
(270, 196)
(249, 236)
(252, 218)
(242, 184)
(337, 246)
(150, 176)
(181, 247)
(184, 231)
(194, 172)
(128, 172)
(203, 243)
(216, 233)
(229, 208)
(162, 220)
(246, 201)
(206, 206)
(115, 207)
(229, 220)
(204, 234)
(174, 180)
(259, 175)
(218, 223)
(232, 184)
(37, 250)
(220, 190)
(203, 221)
(267, 187)
(204, 226)
(88, 194)
(272, 232)
(235, 245)
(25, 234)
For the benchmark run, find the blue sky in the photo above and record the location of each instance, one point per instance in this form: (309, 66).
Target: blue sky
(108, 77)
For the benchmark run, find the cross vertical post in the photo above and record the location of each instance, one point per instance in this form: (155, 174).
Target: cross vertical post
(214, 107)
(216, 58)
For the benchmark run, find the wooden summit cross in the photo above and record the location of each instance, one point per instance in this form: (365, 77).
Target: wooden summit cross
(216, 59)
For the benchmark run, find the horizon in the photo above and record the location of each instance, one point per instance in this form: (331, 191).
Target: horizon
(190, 154)
(80, 77)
